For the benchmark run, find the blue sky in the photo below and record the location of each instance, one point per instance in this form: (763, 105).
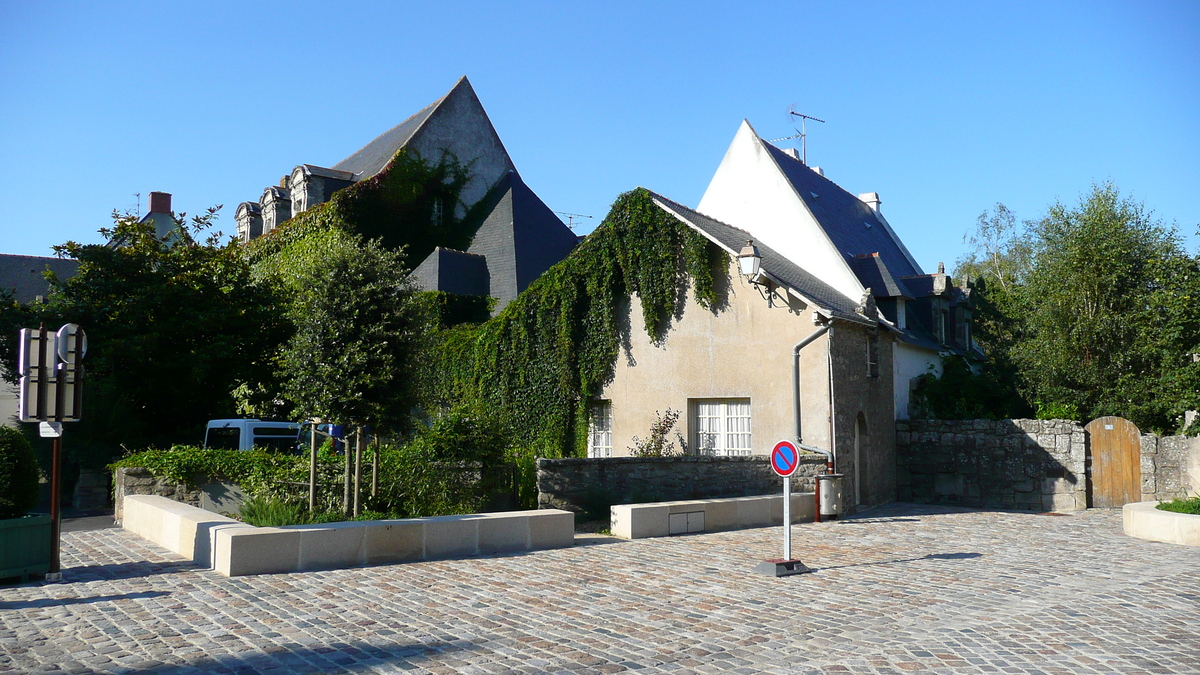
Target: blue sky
(942, 108)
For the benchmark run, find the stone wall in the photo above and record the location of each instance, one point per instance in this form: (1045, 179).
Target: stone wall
(585, 484)
(1038, 465)
(1025, 464)
(1170, 467)
(139, 481)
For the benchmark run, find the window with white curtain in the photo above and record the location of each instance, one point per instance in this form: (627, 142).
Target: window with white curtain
(600, 430)
(721, 426)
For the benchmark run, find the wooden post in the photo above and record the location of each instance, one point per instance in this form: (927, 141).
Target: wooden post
(375, 469)
(347, 506)
(358, 443)
(312, 470)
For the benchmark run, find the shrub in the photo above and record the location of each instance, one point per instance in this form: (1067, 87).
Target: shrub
(272, 513)
(1189, 505)
(18, 474)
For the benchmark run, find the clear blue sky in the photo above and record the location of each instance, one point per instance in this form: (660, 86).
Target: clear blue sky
(942, 108)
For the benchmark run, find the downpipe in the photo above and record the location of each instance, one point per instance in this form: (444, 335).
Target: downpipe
(823, 329)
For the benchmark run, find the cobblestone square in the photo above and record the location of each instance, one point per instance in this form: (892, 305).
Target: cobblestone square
(901, 589)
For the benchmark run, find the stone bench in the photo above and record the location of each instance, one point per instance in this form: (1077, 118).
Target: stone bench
(1145, 520)
(234, 548)
(662, 519)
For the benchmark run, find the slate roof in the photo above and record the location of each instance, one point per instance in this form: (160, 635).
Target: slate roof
(732, 239)
(22, 274)
(372, 157)
(874, 275)
(452, 271)
(853, 226)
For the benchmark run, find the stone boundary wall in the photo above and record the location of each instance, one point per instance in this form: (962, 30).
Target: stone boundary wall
(136, 480)
(1026, 464)
(1170, 467)
(584, 484)
(1038, 465)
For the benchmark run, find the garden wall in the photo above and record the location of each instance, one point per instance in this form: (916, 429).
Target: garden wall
(592, 484)
(1014, 464)
(215, 496)
(1025, 464)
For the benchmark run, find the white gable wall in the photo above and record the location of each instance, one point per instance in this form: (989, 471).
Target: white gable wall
(750, 191)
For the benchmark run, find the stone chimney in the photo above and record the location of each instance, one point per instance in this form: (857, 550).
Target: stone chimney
(792, 152)
(160, 202)
(872, 200)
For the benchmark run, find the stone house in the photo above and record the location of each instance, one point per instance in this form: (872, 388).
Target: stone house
(819, 345)
(518, 239)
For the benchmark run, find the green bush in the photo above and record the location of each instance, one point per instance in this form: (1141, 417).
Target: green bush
(271, 513)
(1189, 505)
(18, 474)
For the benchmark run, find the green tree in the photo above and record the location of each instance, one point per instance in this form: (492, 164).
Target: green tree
(1110, 313)
(357, 329)
(172, 324)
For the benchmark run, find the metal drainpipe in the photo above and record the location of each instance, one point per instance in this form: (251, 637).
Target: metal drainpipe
(829, 466)
(796, 406)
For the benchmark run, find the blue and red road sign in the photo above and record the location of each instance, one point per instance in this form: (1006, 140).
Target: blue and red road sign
(785, 458)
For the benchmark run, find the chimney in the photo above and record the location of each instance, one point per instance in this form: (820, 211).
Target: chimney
(160, 202)
(818, 170)
(793, 153)
(872, 200)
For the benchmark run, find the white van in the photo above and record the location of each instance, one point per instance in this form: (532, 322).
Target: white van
(242, 434)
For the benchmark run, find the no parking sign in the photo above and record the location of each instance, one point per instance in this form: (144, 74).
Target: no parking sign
(785, 458)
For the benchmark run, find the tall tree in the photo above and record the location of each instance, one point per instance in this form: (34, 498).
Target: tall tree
(172, 323)
(1110, 318)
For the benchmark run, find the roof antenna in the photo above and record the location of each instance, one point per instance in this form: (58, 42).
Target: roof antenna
(803, 131)
(571, 218)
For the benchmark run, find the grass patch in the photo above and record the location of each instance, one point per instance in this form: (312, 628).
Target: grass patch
(1189, 505)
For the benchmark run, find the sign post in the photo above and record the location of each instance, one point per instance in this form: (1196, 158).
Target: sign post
(51, 392)
(785, 459)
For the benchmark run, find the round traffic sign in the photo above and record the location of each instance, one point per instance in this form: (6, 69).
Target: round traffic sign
(785, 458)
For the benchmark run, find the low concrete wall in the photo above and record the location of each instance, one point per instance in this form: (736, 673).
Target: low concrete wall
(637, 521)
(579, 484)
(234, 548)
(1145, 520)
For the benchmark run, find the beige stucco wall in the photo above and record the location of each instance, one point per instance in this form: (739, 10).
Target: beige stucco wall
(743, 349)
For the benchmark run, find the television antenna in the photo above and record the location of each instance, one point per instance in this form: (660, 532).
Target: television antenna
(801, 133)
(571, 218)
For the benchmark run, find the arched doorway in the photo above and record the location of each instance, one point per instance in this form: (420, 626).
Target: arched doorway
(1115, 447)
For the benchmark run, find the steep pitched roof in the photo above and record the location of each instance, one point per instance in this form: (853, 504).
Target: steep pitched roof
(454, 123)
(521, 238)
(784, 271)
(372, 157)
(22, 274)
(875, 275)
(854, 227)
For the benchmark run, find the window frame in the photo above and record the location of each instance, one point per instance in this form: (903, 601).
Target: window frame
(595, 450)
(700, 436)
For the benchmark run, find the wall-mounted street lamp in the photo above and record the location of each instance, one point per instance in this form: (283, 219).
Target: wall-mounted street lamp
(750, 261)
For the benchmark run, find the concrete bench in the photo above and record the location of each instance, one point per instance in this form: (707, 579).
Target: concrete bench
(1145, 520)
(661, 519)
(234, 549)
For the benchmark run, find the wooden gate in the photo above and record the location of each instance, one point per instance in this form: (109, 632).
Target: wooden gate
(1116, 452)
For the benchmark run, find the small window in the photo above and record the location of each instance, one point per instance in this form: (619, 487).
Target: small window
(223, 438)
(436, 215)
(721, 426)
(872, 356)
(600, 430)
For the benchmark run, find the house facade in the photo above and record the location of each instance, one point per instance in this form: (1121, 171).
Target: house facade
(819, 346)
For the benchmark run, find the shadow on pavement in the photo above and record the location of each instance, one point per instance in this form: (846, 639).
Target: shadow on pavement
(128, 570)
(930, 556)
(56, 602)
(335, 657)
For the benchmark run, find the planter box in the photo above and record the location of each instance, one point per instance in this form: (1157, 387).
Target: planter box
(25, 547)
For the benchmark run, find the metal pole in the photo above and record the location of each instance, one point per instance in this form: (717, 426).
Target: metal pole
(55, 510)
(787, 517)
(312, 470)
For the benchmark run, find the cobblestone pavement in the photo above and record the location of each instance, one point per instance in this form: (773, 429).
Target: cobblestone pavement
(903, 589)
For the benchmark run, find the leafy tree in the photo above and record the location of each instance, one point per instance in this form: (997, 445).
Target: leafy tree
(172, 324)
(357, 329)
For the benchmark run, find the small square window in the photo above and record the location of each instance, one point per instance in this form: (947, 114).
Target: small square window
(721, 426)
(872, 356)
